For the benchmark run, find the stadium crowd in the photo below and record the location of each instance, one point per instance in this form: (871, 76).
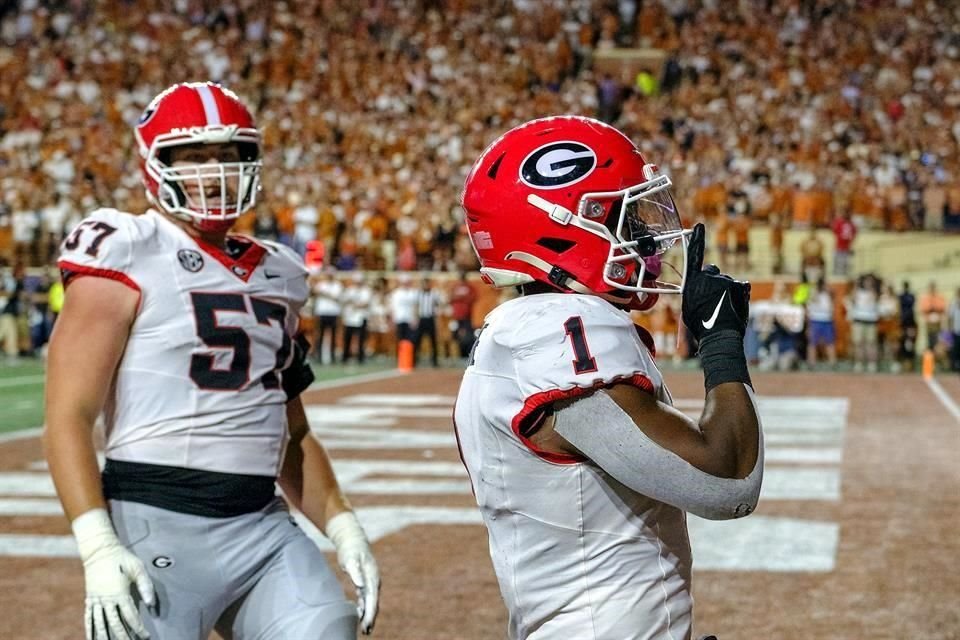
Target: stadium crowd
(790, 113)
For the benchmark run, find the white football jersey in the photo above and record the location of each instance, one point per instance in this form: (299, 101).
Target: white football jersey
(577, 554)
(199, 384)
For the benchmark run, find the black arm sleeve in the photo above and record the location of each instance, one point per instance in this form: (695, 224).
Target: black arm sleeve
(298, 376)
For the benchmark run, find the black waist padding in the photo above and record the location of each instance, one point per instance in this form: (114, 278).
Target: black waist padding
(201, 493)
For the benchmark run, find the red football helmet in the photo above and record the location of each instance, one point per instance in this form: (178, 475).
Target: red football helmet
(204, 113)
(571, 202)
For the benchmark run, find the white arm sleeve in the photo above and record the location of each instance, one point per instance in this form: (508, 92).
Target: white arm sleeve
(624, 451)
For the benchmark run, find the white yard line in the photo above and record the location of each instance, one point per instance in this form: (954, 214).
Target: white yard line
(944, 398)
(23, 434)
(364, 377)
(19, 382)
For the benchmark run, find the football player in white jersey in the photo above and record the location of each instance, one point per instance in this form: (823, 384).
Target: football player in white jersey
(581, 467)
(183, 337)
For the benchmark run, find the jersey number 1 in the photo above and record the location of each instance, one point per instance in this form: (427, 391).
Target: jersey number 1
(202, 369)
(584, 362)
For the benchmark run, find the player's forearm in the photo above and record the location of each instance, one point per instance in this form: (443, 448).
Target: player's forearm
(318, 492)
(729, 423)
(731, 429)
(73, 465)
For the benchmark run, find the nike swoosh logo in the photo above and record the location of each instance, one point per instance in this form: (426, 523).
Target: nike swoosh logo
(271, 276)
(708, 324)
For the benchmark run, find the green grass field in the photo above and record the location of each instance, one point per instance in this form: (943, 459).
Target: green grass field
(21, 389)
(21, 395)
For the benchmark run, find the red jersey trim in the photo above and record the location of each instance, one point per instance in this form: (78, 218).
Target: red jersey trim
(72, 270)
(456, 433)
(242, 268)
(646, 339)
(539, 400)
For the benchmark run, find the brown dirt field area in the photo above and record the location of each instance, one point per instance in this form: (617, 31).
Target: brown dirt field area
(856, 536)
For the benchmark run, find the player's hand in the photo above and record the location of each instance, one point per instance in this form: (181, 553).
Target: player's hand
(111, 613)
(110, 570)
(712, 301)
(356, 559)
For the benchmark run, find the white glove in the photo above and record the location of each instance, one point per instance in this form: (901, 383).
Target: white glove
(109, 569)
(356, 559)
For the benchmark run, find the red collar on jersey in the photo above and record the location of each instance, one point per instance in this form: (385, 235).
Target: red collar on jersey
(241, 257)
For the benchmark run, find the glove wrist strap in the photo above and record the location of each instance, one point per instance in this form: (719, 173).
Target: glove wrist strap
(723, 359)
(93, 531)
(344, 528)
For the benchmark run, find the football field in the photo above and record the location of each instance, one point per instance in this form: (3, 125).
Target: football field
(854, 538)
(21, 389)
(21, 395)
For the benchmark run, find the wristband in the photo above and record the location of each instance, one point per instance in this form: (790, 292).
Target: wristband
(723, 360)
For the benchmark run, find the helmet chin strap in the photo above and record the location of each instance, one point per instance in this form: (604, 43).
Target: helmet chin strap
(562, 279)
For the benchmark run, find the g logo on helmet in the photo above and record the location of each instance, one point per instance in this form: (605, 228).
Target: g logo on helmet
(558, 164)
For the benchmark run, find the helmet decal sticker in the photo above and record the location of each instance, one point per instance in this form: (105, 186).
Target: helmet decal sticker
(147, 114)
(558, 164)
(482, 240)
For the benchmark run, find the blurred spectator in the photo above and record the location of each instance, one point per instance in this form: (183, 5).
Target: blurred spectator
(609, 96)
(821, 330)
(932, 306)
(844, 233)
(663, 321)
(819, 106)
(265, 225)
(39, 313)
(739, 212)
(888, 327)
(378, 322)
(305, 219)
(314, 256)
(55, 298)
(402, 303)
(799, 297)
(428, 304)
(811, 256)
(13, 308)
(462, 299)
(908, 328)
(953, 323)
(356, 311)
(647, 84)
(779, 323)
(327, 306)
(863, 311)
(776, 243)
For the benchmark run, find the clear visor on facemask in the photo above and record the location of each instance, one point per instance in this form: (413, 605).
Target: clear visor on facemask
(654, 215)
(646, 227)
(211, 190)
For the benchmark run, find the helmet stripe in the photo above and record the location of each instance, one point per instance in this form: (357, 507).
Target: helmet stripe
(210, 109)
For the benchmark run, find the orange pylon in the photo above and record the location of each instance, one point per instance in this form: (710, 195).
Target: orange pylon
(929, 364)
(405, 356)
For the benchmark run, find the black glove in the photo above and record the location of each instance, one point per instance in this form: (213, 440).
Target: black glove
(712, 301)
(715, 309)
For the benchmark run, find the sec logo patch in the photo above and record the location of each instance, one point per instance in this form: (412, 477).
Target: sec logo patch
(190, 260)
